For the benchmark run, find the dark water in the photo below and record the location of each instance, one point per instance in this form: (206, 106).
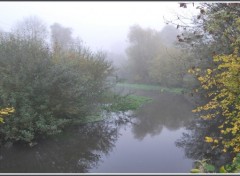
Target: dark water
(147, 144)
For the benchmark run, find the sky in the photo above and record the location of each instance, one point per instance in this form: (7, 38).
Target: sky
(102, 25)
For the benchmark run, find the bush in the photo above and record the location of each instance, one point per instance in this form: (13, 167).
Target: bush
(47, 92)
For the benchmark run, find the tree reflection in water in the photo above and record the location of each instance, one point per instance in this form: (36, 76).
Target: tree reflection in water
(76, 150)
(81, 148)
(194, 146)
(167, 110)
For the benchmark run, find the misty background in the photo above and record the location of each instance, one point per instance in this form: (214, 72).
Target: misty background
(137, 66)
(100, 25)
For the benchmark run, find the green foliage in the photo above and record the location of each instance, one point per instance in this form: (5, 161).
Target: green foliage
(48, 90)
(150, 87)
(195, 171)
(115, 103)
(125, 103)
(204, 167)
(222, 170)
(234, 167)
(209, 168)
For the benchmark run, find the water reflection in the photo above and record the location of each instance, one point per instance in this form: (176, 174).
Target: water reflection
(89, 148)
(167, 110)
(76, 150)
(192, 141)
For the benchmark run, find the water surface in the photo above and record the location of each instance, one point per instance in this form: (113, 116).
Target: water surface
(146, 145)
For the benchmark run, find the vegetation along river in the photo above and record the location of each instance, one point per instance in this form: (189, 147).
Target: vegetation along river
(144, 144)
(158, 97)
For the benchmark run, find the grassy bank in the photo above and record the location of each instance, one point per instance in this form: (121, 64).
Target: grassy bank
(150, 87)
(119, 104)
(132, 102)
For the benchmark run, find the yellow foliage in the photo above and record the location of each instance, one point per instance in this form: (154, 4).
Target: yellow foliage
(210, 140)
(201, 79)
(224, 98)
(209, 71)
(4, 112)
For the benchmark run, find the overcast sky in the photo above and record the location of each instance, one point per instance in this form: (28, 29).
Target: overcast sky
(101, 25)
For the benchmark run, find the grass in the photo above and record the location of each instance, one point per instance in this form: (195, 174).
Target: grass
(119, 104)
(130, 102)
(150, 87)
(137, 101)
(126, 103)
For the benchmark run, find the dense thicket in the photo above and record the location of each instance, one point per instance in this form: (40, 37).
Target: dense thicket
(48, 85)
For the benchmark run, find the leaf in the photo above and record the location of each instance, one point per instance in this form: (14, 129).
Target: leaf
(208, 139)
(195, 171)
(209, 71)
(222, 170)
(1, 120)
(209, 168)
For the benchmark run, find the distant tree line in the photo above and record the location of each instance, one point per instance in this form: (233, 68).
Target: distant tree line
(154, 57)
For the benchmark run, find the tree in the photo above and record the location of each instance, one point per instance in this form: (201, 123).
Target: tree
(31, 28)
(61, 37)
(169, 67)
(154, 58)
(45, 94)
(144, 44)
(218, 25)
(224, 103)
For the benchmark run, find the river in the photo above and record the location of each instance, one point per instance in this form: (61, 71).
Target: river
(144, 145)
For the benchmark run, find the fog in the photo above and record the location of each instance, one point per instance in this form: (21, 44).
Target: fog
(108, 27)
(101, 25)
(67, 65)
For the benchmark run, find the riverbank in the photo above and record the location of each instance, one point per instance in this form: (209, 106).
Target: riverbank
(131, 102)
(151, 87)
(109, 147)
